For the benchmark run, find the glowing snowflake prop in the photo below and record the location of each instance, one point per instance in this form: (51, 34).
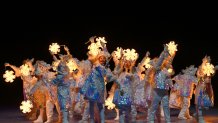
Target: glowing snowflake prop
(118, 53)
(25, 70)
(109, 104)
(172, 47)
(94, 49)
(170, 70)
(55, 64)
(208, 69)
(9, 76)
(26, 106)
(72, 65)
(101, 39)
(130, 55)
(147, 63)
(54, 48)
(100, 42)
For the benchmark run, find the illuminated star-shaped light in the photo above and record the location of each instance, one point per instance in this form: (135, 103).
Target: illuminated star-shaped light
(26, 106)
(54, 48)
(110, 105)
(94, 49)
(101, 39)
(25, 70)
(71, 65)
(147, 63)
(208, 69)
(9, 76)
(118, 52)
(172, 47)
(130, 54)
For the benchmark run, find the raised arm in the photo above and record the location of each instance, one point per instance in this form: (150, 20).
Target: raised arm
(161, 58)
(16, 69)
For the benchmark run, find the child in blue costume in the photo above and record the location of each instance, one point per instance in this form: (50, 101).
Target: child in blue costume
(94, 86)
(63, 83)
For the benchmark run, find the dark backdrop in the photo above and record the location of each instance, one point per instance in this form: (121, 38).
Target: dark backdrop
(29, 37)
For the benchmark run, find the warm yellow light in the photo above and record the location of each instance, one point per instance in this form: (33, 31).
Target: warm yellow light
(9, 76)
(110, 105)
(130, 54)
(101, 39)
(55, 64)
(170, 70)
(118, 52)
(208, 69)
(72, 65)
(172, 47)
(26, 106)
(54, 48)
(25, 70)
(94, 49)
(146, 63)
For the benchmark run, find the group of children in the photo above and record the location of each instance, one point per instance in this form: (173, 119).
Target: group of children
(79, 87)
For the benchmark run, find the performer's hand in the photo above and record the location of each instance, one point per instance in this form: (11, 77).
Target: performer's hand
(66, 48)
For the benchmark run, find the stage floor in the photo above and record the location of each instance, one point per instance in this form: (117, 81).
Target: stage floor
(14, 115)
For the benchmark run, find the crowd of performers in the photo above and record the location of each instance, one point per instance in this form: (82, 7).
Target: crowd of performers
(75, 87)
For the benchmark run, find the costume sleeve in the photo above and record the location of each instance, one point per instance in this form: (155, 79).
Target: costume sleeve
(110, 77)
(160, 60)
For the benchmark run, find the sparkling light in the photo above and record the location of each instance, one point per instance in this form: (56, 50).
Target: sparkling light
(54, 48)
(172, 47)
(208, 69)
(9, 76)
(130, 54)
(25, 70)
(26, 106)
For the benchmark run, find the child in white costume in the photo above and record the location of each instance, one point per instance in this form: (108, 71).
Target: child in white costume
(28, 82)
(124, 95)
(186, 83)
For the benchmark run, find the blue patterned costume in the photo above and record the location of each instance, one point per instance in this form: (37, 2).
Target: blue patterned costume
(94, 88)
(63, 91)
(63, 84)
(162, 82)
(124, 96)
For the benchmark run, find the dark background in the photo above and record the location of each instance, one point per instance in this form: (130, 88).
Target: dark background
(30, 36)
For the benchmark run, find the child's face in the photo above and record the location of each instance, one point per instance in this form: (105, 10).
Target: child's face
(127, 64)
(102, 60)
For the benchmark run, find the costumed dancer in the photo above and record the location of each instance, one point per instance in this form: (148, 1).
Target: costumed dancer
(140, 96)
(117, 70)
(79, 74)
(204, 97)
(94, 86)
(162, 82)
(51, 102)
(124, 95)
(186, 82)
(63, 83)
(27, 75)
(40, 90)
(84, 68)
